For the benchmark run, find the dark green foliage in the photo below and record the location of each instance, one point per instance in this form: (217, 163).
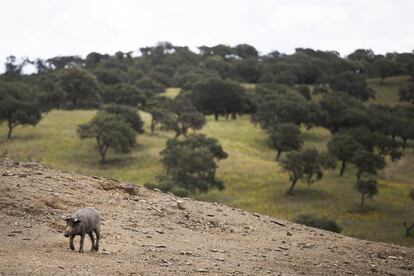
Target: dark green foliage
(62, 62)
(352, 84)
(93, 58)
(315, 163)
(367, 162)
(181, 116)
(110, 76)
(248, 70)
(129, 114)
(320, 89)
(49, 93)
(110, 131)
(14, 68)
(167, 186)
(386, 68)
(267, 77)
(362, 54)
(188, 76)
(191, 163)
(307, 165)
(410, 68)
(17, 106)
(321, 223)
(286, 77)
(162, 75)
(220, 66)
(407, 93)
(80, 88)
(343, 147)
(125, 94)
(246, 51)
(275, 104)
(304, 91)
(376, 142)
(157, 106)
(317, 116)
(220, 98)
(407, 132)
(285, 137)
(342, 111)
(149, 86)
(221, 50)
(367, 188)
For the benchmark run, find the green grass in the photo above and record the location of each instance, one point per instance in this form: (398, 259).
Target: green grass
(388, 92)
(172, 92)
(253, 180)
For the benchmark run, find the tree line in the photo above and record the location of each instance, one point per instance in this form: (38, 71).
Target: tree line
(308, 88)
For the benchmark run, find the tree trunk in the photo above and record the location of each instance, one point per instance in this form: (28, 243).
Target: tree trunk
(408, 229)
(152, 126)
(290, 191)
(279, 152)
(9, 133)
(216, 117)
(102, 149)
(343, 166)
(234, 116)
(404, 142)
(362, 200)
(103, 153)
(382, 80)
(358, 175)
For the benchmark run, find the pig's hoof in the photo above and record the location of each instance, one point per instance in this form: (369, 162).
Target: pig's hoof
(72, 247)
(80, 251)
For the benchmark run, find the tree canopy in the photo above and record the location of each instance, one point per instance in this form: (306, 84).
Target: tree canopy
(110, 131)
(191, 163)
(308, 165)
(285, 137)
(18, 106)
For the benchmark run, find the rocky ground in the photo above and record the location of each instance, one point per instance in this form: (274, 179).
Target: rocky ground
(149, 233)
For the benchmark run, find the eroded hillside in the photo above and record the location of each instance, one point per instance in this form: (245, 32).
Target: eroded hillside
(148, 232)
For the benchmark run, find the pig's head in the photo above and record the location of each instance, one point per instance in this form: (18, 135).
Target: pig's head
(72, 226)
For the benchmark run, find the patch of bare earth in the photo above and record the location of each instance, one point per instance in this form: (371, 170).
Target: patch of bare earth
(148, 233)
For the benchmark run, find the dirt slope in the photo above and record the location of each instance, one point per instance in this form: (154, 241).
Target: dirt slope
(146, 233)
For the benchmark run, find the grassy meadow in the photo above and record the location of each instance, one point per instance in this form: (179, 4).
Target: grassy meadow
(253, 180)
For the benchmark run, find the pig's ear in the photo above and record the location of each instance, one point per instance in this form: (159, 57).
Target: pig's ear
(66, 218)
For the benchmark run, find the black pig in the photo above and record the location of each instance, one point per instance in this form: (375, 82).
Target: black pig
(82, 222)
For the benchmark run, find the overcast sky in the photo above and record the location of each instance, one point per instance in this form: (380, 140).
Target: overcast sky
(47, 28)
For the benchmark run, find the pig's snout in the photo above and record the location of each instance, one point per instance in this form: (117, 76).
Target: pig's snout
(66, 235)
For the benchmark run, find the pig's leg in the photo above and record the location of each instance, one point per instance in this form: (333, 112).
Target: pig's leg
(72, 246)
(98, 236)
(81, 242)
(92, 241)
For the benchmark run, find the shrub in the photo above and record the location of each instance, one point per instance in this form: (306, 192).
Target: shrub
(151, 186)
(180, 192)
(166, 186)
(321, 223)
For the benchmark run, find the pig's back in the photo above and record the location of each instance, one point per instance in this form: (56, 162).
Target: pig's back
(89, 217)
